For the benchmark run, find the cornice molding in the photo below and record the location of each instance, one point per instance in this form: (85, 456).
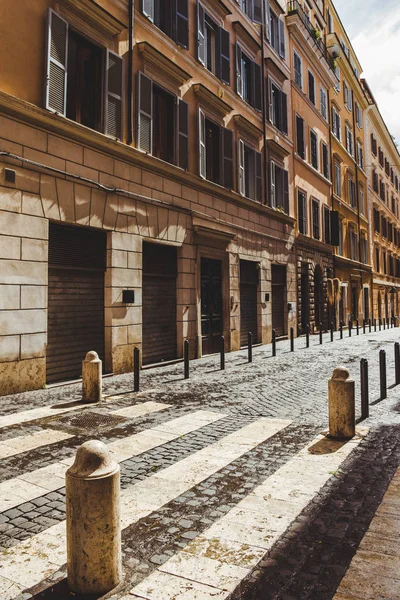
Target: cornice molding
(212, 102)
(162, 64)
(247, 126)
(243, 34)
(92, 14)
(218, 6)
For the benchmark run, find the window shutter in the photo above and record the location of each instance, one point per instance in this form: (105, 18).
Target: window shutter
(239, 80)
(145, 113)
(227, 149)
(267, 21)
(56, 63)
(284, 113)
(269, 99)
(272, 182)
(114, 95)
(258, 173)
(285, 175)
(148, 9)
(182, 23)
(300, 136)
(225, 58)
(257, 100)
(282, 51)
(241, 169)
(202, 145)
(183, 134)
(257, 11)
(201, 42)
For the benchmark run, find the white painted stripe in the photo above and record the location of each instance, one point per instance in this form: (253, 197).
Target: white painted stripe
(25, 565)
(139, 410)
(226, 552)
(47, 479)
(24, 443)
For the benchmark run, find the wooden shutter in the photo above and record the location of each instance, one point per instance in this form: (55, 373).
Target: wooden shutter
(258, 174)
(257, 11)
(202, 145)
(300, 136)
(272, 181)
(225, 58)
(114, 95)
(227, 149)
(183, 134)
(285, 177)
(145, 113)
(239, 79)
(335, 227)
(241, 168)
(267, 21)
(148, 9)
(56, 63)
(257, 100)
(284, 112)
(281, 30)
(269, 98)
(182, 23)
(201, 42)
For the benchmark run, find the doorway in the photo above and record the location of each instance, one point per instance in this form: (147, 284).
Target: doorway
(318, 296)
(305, 297)
(248, 300)
(278, 299)
(211, 305)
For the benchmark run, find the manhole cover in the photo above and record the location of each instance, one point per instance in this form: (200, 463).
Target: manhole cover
(86, 422)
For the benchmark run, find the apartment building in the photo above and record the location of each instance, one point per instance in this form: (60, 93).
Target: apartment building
(348, 102)
(146, 182)
(383, 171)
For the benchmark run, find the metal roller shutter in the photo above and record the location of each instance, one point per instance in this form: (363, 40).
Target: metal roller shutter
(248, 301)
(278, 299)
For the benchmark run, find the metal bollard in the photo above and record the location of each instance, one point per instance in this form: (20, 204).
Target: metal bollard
(320, 333)
(291, 339)
(136, 369)
(397, 362)
(222, 352)
(186, 358)
(375, 325)
(331, 331)
(350, 327)
(384, 323)
(364, 389)
(250, 346)
(358, 327)
(307, 336)
(380, 324)
(342, 411)
(273, 342)
(92, 378)
(382, 374)
(341, 330)
(94, 564)
(370, 325)
(364, 324)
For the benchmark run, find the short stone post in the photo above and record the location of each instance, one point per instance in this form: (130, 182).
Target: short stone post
(91, 378)
(382, 374)
(342, 411)
(331, 331)
(94, 563)
(358, 327)
(370, 325)
(250, 347)
(291, 339)
(341, 330)
(222, 353)
(307, 336)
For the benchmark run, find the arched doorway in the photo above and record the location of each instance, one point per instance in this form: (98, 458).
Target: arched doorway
(318, 296)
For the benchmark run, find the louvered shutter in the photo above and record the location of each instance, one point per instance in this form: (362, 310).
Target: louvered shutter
(267, 21)
(182, 23)
(56, 63)
(257, 100)
(239, 78)
(257, 11)
(148, 9)
(225, 58)
(201, 43)
(285, 177)
(114, 95)
(272, 184)
(241, 169)
(258, 174)
(183, 134)
(284, 112)
(282, 51)
(227, 149)
(202, 145)
(145, 113)
(269, 99)
(300, 136)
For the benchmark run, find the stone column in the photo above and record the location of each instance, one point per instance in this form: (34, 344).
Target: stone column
(91, 378)
(341, 398)
(93, 521)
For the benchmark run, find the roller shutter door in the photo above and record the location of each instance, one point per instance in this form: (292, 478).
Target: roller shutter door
(159, 303)
(75, 299)
(248, 301)
(278, 299)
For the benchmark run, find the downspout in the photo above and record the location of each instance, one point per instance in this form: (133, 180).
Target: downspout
(130, 73)
(331, 168)
(357, 182)
(264, 115)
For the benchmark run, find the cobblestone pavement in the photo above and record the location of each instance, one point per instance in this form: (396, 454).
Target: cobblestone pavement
(227, 426)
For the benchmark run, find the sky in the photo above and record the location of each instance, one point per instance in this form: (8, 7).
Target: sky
(373, 27)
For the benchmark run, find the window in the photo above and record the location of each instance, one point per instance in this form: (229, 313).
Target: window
(277, 106)
(392, 175)
(352, 193)
(393, 205)
(340, 247)
(311, 87)
(338, 179)
(298, 70)
(327, 225)
(213, 46)
(396, 183)
(361, 199)
(336, 125)
(359, 119)
(330, 22)
(84, 81)
(380, 157)
(375, 182)
(300, 144)
(374, 145)
(387, 166)
(171, 16)
(163, 123)
(337, 73)
(377, 262)
(353, 243)
(315, 219)
(377, 221)
(382, 190)
(279, 187)
(349, 140)
(360, 155)
(248, 79)
(252, 8)
(323, 102)
(313, 149)
(325, 161)
(384, 261)
(250, 172)
(348, 98)
(302, 212)
(364, 249)
(390, 232)
(215, 152)
(384, 227)
(276, 33)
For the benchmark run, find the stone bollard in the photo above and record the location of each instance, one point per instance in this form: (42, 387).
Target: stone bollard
(341, 399)
(94, 564)
(91, 378)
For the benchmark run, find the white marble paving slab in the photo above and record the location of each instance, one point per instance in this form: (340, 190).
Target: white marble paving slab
(9, 589)
(138, 410)
(164, 586)
(32, 441)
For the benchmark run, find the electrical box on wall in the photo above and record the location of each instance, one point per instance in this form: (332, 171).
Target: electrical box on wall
(266, 297)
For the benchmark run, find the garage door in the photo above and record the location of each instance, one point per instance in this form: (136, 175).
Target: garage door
(159, 303)
(248, 301)
(75, 299)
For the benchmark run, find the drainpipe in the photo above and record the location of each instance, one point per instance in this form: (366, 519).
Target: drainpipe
(264, 114)
(130, 73)
(331, 166)
(357, 182)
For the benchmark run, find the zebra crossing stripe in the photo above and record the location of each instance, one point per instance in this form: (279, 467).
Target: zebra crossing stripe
(17, 445)
(32, 560)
